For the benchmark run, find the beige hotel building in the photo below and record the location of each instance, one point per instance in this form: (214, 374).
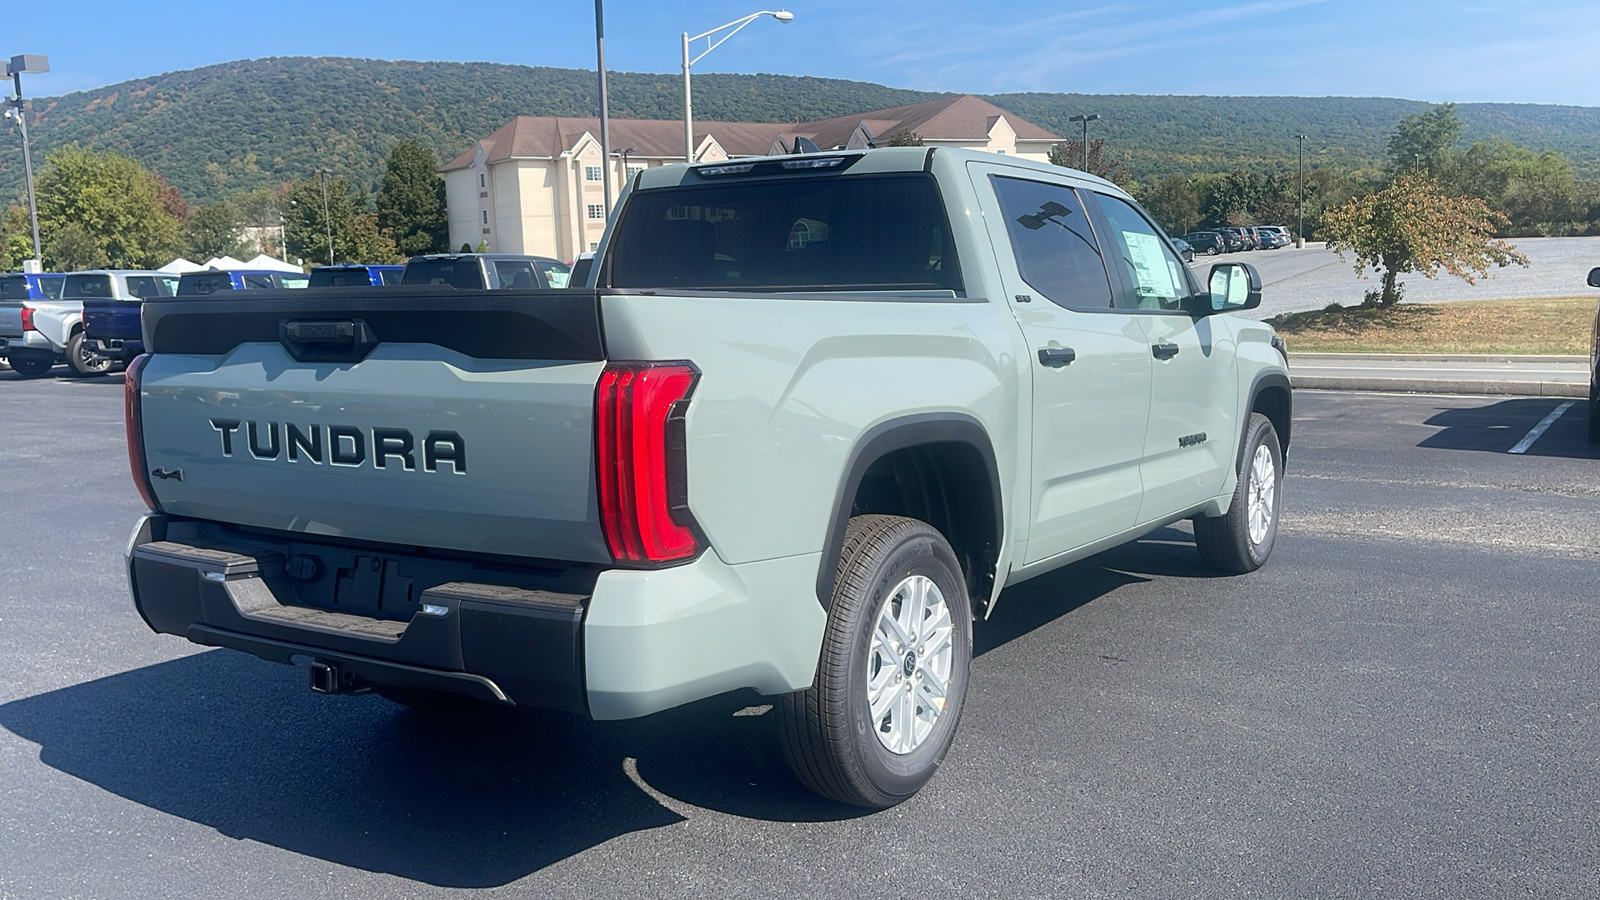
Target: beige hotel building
(534, 186)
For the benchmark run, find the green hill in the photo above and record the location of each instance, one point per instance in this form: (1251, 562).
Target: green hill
(222, 129)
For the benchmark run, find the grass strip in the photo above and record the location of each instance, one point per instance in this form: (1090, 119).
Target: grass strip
(1555, 325)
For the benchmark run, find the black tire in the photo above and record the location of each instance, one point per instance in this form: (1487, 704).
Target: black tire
(829, 737)
(1212, 251)
(31, 366)
(82, 362)
(1224, 541)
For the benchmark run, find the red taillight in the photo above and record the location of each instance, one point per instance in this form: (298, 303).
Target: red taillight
(641, 460)
(27, 319)
(130, 420)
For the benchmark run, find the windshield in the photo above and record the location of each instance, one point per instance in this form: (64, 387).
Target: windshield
(82, 287)
(865, 232)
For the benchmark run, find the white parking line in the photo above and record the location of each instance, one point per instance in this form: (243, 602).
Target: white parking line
(1544, 423)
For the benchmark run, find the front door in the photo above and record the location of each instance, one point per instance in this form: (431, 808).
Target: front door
(1091, 363)
(1188, 448)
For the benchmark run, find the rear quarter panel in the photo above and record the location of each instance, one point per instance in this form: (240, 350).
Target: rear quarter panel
(788, 386)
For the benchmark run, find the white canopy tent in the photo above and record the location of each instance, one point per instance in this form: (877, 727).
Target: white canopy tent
(180, 266)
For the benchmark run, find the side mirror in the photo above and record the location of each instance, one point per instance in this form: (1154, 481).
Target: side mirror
(1234, 286)
(1594, 278)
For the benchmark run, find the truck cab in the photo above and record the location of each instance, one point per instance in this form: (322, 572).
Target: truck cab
(36, 334)
(487, 271)
(199, 284)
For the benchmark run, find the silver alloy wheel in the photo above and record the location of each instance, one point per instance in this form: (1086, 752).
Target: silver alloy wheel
(1263, 492)
(909, 664)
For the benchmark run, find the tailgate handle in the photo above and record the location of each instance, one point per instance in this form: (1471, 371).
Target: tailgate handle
(327, 340)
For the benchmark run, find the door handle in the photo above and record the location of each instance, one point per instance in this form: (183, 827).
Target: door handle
(1164, 351)
(1056, 357)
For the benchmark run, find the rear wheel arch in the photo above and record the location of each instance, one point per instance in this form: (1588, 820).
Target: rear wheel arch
(937, 467)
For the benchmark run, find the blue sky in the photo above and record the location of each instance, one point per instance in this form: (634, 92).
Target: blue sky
(1533, 51)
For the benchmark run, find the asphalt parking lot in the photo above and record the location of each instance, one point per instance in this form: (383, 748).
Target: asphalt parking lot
(1404, 703)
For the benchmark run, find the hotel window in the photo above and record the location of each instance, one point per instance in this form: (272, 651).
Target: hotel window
(597, 211)
(591, 173)
(486, 217)
(482, 180)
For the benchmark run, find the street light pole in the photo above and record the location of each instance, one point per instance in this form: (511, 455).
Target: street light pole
(624, 154)
(782, 15)
(30, 63)
(605, 111)
(1085, 120)
(327, 218)
(1300, 236)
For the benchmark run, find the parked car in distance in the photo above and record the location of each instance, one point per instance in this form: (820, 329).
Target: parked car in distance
(1208, 242)
(351, 275)
(1284, 238)
(111, 325)
(37, 334)
(1269, 240)
(487, 271)
(1235, 239)
(1594, 368)
(198, 284)
(31, 286)
(1184, 250)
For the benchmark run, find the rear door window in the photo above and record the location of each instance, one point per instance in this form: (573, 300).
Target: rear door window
(555, 274)
(144, 287)
(1054, 244)
(819, 233)
(83, 287)
(257, 282)
(294, 282)
(389, 276)
(515, 274)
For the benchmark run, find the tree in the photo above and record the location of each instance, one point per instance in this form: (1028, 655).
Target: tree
(1411, 226)
(1231, 199)
(214, 231)
(1424, 141)
(261, 214)
(16, 238)
(113, 206)
(1069, 155)
(1173, 203)
(356, 237)
(72, 248)
(411, 203)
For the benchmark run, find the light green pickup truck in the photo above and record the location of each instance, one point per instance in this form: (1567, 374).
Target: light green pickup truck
(808, 419)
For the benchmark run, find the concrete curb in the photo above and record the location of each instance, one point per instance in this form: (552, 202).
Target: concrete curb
(1441, 357)
(1439, 386)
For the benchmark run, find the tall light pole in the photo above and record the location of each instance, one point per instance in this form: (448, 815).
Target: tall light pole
(31, 64)
(781, 15)
(1085, 120)
(1300, 236)
(327, 218)
(605, 103)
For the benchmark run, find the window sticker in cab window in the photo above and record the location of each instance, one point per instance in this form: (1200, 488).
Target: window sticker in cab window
(1156, 282)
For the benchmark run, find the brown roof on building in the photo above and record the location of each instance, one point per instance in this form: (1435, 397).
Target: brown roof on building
(543, 137)
(962, 117)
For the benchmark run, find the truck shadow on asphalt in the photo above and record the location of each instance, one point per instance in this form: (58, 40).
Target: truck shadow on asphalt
(60, 373)
(479, 798)
(1499, 426)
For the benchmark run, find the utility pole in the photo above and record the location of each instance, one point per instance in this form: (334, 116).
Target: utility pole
(1300, 236)
(1085, 120)
(30, 63)
(327, 219)
(605, 112)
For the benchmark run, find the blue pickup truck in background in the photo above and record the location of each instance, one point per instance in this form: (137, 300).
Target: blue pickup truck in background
(352, 275)
(112, 327)
(28, 286)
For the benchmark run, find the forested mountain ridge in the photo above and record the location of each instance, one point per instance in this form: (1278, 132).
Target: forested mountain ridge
(219, 130)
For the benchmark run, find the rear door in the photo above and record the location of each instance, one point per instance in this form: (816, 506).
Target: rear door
(1090, 362)
(1189, 446)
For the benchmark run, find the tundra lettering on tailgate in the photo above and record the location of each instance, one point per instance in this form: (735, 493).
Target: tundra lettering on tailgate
(345, 445)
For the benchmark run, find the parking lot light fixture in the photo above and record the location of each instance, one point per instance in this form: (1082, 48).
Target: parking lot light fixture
(732, 28)
(27, 64)
(1300, 203)
(1092, 117)
(327, 218)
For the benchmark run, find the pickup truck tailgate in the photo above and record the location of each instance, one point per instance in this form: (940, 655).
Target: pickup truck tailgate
(458, 420)
(10, 318)
(111, 319)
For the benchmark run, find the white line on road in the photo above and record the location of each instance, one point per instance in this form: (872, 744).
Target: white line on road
(1544, 423)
